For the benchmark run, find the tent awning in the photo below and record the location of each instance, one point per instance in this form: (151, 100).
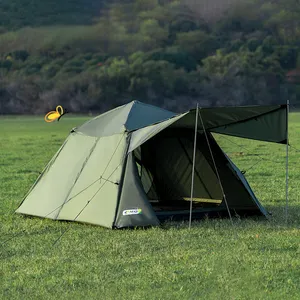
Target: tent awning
(264, 123)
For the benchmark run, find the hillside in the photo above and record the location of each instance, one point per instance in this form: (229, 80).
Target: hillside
(16, 14)
(169, 53)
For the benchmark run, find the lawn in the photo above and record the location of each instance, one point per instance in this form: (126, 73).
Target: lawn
(253, 259)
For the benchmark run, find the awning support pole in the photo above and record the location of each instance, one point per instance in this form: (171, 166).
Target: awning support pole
(216, 169)
(287, 163)
(193, 169)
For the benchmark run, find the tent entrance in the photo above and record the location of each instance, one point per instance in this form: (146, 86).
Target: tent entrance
(164, 165)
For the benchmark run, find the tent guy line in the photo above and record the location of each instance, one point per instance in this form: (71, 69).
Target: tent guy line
(113, 155)
(70, 199)
(55, 242)
(215, 166)
(99, 179)
(252, 153)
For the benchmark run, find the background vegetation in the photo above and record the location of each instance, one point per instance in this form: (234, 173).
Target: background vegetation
(93, 55)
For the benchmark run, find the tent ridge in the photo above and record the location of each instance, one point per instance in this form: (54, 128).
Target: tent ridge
(137, 105)
(129, 114)
(158, 122)
(149, 105)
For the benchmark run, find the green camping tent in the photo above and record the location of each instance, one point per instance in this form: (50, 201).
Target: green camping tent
(132, 166)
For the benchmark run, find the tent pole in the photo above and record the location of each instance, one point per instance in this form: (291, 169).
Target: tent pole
(216, 169)
(193, 169)
(287, 163)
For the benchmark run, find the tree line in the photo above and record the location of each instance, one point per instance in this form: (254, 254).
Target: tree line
(168, 53)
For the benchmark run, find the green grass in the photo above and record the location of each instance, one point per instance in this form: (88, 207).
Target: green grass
(213, 260)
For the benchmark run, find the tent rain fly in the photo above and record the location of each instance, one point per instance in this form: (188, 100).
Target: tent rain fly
(132, 166)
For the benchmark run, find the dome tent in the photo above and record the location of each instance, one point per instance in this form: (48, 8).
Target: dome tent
(131, 166)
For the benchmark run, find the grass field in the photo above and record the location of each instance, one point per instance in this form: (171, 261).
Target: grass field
(214, 260)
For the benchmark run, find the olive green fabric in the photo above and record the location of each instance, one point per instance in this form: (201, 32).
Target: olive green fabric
(109, 123)
(50, 192)
(142, 115)
(168, 156)
(238, 193)
(142, 135)
(131, 116)
(214, 117)
(269, 127)
(93, 197)
(81, 184)
(243, 179)
(134, 208)
(265, 123)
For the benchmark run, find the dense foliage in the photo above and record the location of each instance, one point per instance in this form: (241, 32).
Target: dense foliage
(19, 13)
(169, 53)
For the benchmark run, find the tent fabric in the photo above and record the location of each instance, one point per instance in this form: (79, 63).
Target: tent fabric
(171, 171)
(215, 117)
(131, 166)
(266, 123)
(142, 135)
(243, 179)
(241, 121)
(78, 183)
(58, 177)
(269, 127)
(131, 116)
(237, 196)
(173, 176)
(97, 203)
(134, 208)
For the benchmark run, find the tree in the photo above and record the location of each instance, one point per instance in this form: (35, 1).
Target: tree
(197, 43)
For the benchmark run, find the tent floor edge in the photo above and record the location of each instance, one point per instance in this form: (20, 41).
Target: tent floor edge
(200, 216)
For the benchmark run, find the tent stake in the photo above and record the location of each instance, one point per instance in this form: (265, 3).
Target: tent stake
(287, 163)
(193, 170)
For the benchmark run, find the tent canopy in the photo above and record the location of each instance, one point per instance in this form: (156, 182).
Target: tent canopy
(264, 123)
(128, 117)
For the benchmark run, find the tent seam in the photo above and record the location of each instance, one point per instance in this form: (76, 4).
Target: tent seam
(78, 175)
(158, 122)
(247, 188)
(44, 170)
(125, 159)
